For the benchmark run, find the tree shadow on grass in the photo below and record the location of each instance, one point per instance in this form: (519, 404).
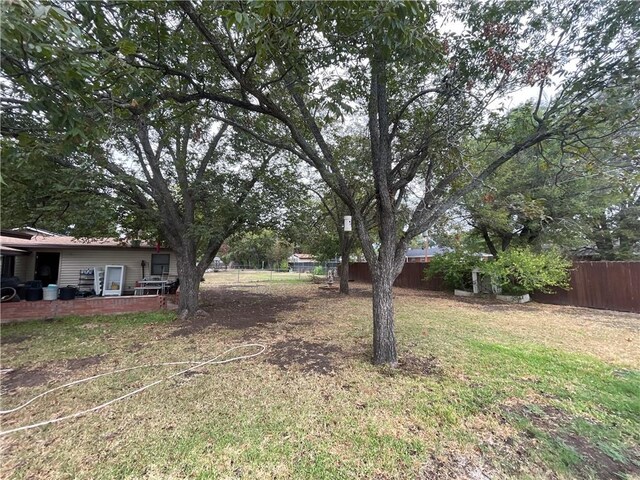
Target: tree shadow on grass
(238, 310)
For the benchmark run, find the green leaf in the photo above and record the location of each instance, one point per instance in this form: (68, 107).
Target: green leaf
(127, 47)
(40, 11)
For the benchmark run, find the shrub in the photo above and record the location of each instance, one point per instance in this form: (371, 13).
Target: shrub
(520, 270)
(318, 270)
(454, 268)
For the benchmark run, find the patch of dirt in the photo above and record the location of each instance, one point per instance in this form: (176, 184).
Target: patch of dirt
(421, 366)
(414, 366)
(24, 377)
(505, 450)
(454, 465)
(544, 417)
(236, 310)
(80, 363)
(602, 464)
(310, 357)
(188, 376)
(135, 347)
(11, 339)
(554, 422)
(360, 292)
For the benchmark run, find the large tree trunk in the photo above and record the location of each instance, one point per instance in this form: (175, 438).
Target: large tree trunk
(383, 267)
(384, 338)
(344, 275)
(189, 276)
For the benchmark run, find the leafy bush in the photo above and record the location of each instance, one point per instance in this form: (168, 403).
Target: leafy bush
(318, 270)
(520, 270)
(454, 268)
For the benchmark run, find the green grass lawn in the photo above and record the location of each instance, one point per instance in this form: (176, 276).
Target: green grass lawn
(232, 277)
(531, 391)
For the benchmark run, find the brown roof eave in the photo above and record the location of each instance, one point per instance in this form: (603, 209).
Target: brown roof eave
(90, 247)
(12, 252)
(14, 234)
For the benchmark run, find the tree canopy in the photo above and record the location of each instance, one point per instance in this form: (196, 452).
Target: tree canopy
(557, 193)
(425, 80)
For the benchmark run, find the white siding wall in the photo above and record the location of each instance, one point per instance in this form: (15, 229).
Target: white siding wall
(74, 260)
(25, 266)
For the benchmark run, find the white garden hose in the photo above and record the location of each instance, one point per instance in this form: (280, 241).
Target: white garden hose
(199, 364)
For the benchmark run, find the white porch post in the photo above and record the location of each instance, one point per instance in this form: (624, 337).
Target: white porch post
(474, 277)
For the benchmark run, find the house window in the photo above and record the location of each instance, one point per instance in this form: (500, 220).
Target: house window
(159, 263)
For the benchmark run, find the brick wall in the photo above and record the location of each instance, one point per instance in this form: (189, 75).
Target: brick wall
(82, 307)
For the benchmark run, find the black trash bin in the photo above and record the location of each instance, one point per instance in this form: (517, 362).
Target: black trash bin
(21, 291)
(68, 293)
(33, 294)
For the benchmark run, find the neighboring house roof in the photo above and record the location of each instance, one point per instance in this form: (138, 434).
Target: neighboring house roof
(35, 231)
(420, 253)
(66, 242)
(585, 251)
(302, 257)
(15, 234)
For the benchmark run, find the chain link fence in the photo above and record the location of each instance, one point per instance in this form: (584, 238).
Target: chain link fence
(244, 274)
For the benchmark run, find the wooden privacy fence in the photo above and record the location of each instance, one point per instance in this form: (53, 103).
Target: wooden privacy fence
(608, 285)
(411, 276)
(605, 285)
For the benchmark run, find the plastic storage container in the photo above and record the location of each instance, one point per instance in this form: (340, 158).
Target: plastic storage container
(50, 292)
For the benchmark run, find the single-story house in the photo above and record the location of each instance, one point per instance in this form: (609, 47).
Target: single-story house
(586, 253)
(302, 262)
(59, 259)
(417, 255)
